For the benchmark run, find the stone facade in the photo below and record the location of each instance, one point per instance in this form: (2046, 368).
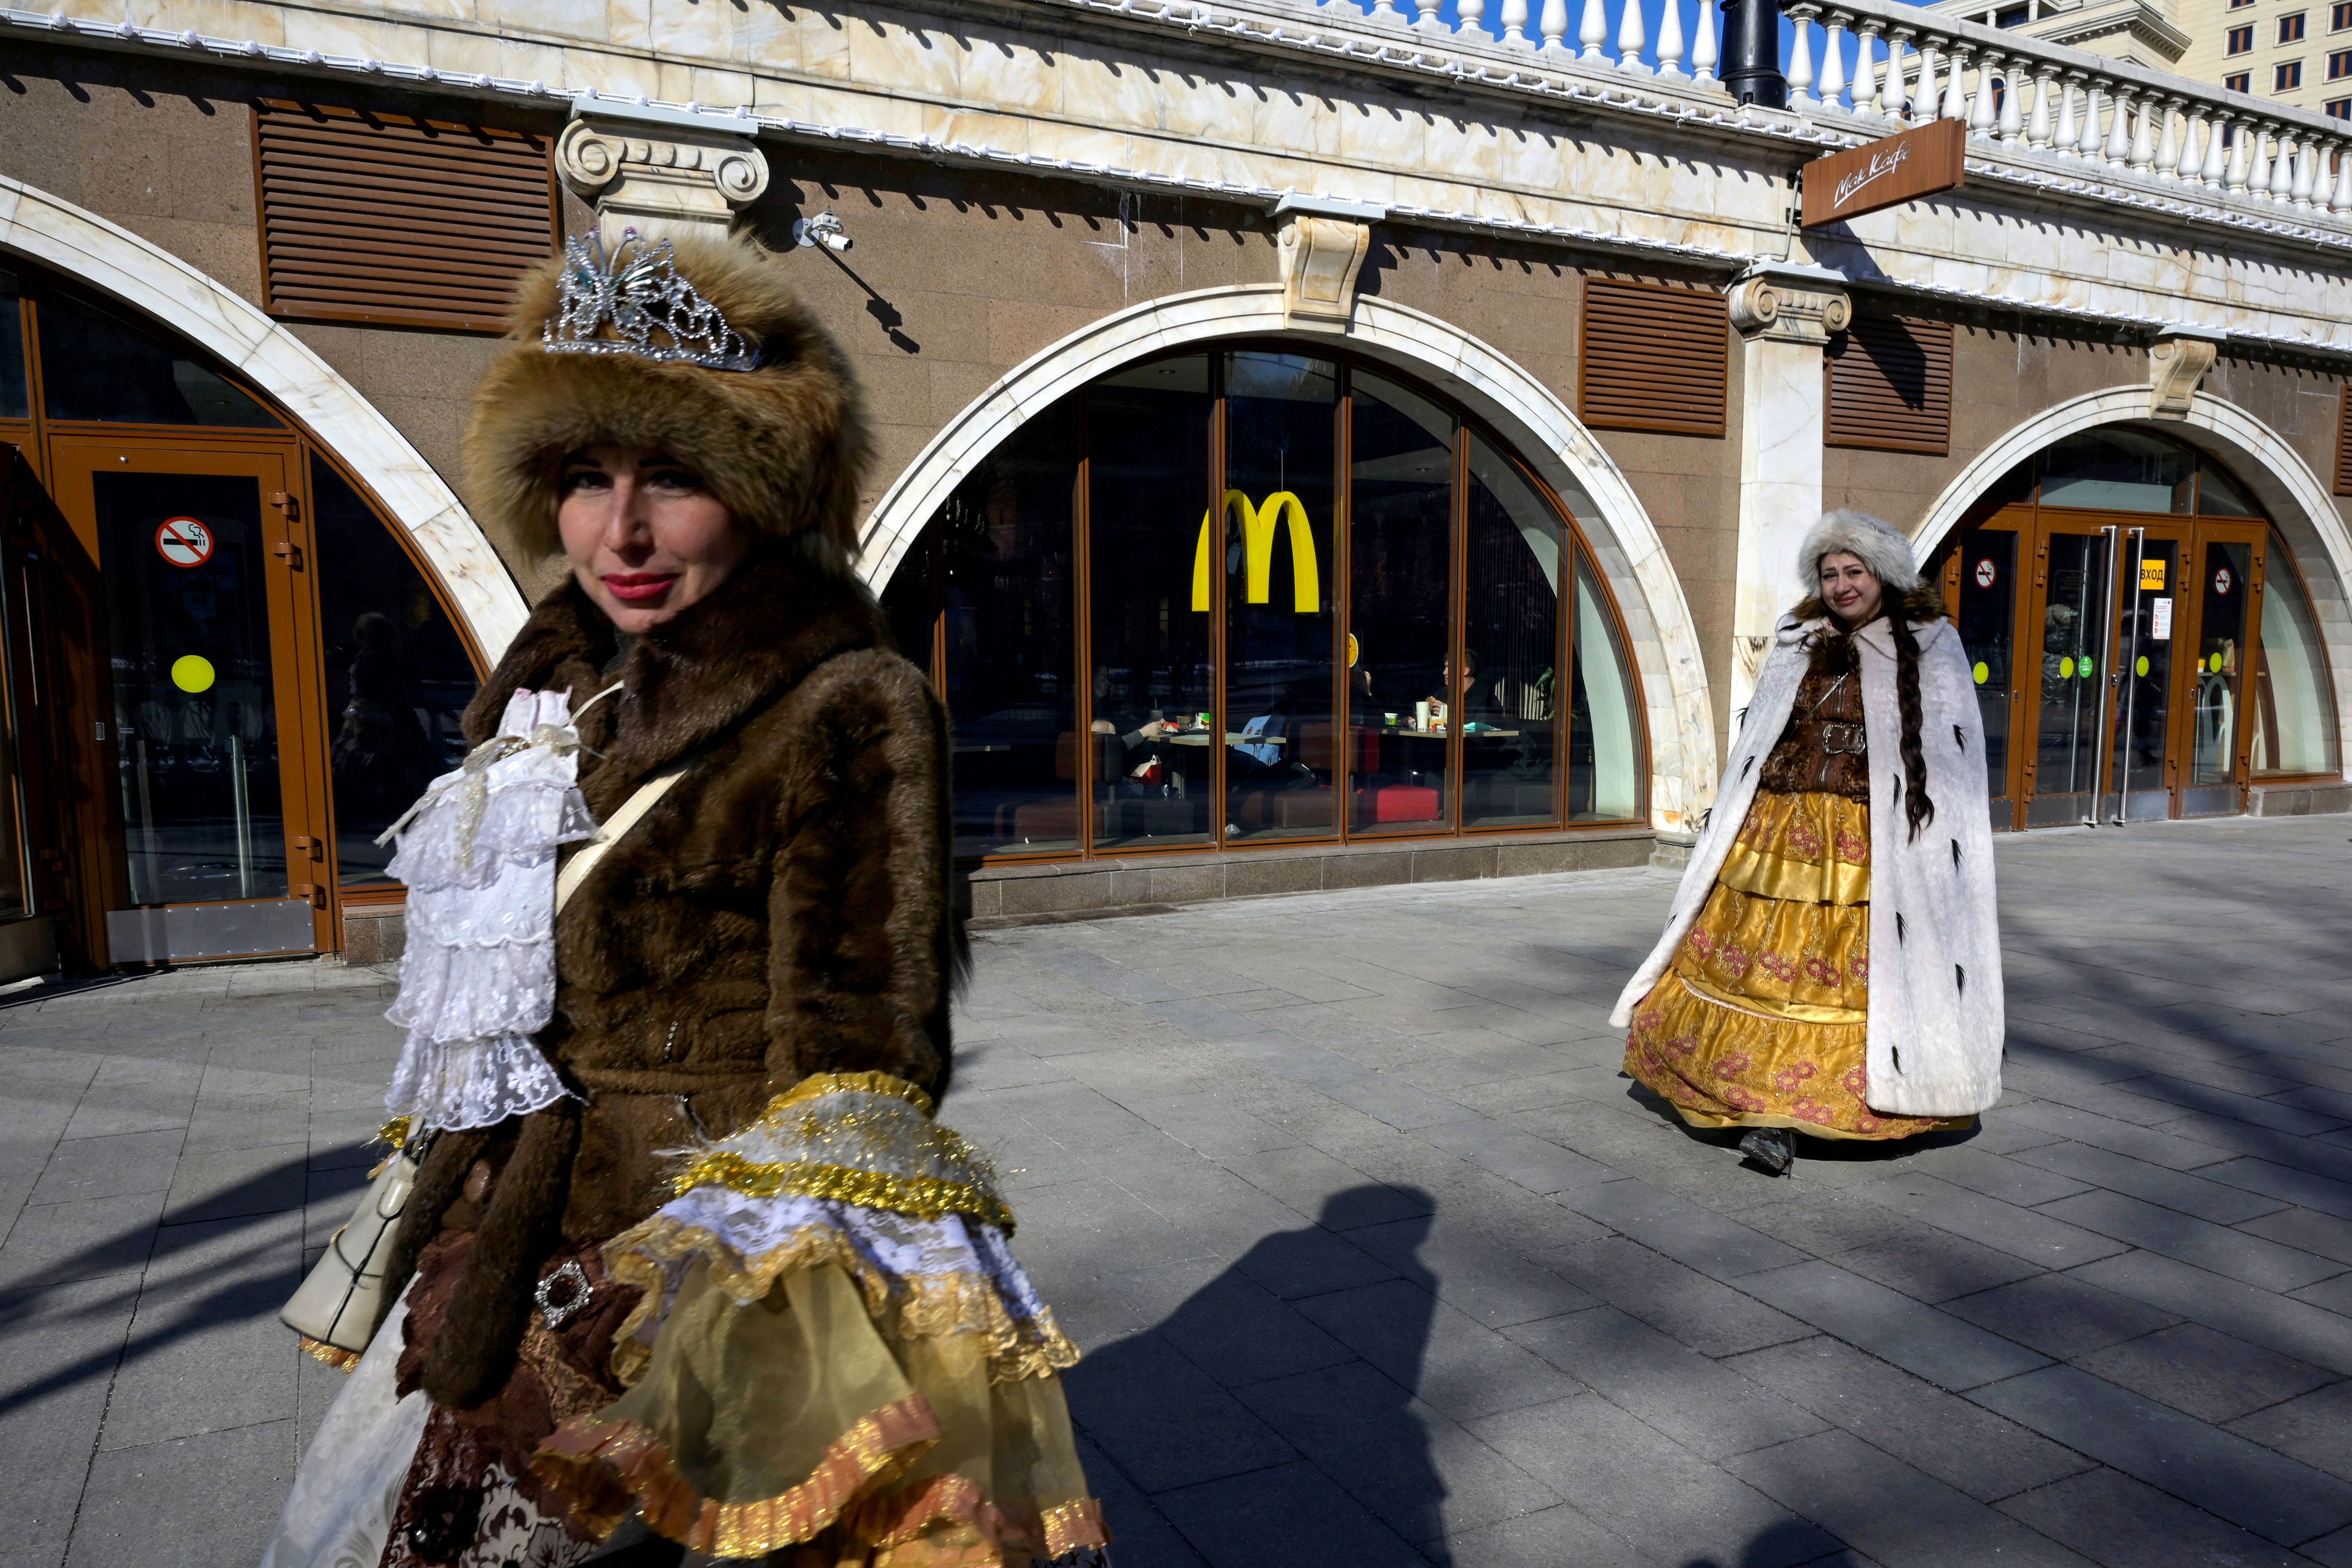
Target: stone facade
(1039, 190)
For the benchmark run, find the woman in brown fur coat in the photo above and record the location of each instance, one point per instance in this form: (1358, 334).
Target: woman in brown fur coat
(689, 1268)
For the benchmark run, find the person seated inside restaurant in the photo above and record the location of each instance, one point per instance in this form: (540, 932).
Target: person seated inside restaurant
(1132, 761)
(1464, 698)
(1262, 758)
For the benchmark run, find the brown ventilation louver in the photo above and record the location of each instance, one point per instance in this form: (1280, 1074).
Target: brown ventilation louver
(387, 219)
(2344, 441)
(1654, 358)
(1890, 385)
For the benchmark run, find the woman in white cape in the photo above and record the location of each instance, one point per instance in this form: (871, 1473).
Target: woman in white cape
(1832, 960)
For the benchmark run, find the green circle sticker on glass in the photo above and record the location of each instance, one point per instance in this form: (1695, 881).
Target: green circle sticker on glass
(2140, 666)
(2083, 669)
(192, 672)
(2214, 664)
(1981, 673)
(2066, 668)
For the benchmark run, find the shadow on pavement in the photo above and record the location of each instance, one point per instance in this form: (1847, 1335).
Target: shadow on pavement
(1269, 1418)
(167, 1313)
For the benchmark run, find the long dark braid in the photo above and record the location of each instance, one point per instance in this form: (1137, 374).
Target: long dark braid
(1915, 804)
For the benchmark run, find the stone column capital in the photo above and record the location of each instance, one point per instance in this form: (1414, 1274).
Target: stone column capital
(661, 179)
(1791, 305)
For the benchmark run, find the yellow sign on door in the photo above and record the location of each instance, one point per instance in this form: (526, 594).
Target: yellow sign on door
(2151, 572)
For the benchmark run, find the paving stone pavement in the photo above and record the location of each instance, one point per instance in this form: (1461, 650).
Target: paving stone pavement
(1377, 1258)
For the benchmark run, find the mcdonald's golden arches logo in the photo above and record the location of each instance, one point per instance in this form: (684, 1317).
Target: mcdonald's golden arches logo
(1259, 525)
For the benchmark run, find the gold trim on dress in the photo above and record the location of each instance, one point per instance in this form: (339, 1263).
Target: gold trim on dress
(335, 1356)
(817, 1085)
(1071, 1526)
(609, 1468)
(394, 1132)
(925, 1197)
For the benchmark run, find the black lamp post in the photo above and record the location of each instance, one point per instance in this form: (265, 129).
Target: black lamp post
(1752, 53)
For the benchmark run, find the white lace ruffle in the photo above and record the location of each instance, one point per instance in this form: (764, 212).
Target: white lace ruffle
(477, 976)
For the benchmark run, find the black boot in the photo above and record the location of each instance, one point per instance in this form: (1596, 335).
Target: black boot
(1772, 1150)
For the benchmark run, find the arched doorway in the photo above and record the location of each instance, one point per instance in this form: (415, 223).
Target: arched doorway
(267, 671)
(2143, 646)
(1259, 594)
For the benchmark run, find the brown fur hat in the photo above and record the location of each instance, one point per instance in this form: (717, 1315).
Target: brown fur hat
(783, 445)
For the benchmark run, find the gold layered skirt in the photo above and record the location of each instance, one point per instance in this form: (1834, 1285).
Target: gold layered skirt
(1761, 1020)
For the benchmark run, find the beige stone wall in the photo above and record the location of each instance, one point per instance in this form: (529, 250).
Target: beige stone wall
(2003, 373)
(166, 151)
(956, 278)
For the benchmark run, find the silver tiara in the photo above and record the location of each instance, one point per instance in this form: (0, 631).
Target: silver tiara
(652, 311)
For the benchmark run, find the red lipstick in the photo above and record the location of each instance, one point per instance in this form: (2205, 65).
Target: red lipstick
(639, 587)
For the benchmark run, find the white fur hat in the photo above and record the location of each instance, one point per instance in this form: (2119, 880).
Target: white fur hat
(1875, 542)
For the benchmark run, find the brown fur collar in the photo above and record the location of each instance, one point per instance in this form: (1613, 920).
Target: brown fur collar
(783, 445)
(1921, 606)
(775, 618)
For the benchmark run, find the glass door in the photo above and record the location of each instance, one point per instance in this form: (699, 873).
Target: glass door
(1981, 587)
(202, 558)
(2144, 767)
(2062, 650)
(2225, 588)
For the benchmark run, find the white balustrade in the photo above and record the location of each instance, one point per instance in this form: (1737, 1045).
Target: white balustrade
(1832, 87)
(1983, 117)
(1670, 38)
(1630, 39)
(2037, 130)
(1898, 95)
(1592, 30)
(1801, 53)
(2039, 100)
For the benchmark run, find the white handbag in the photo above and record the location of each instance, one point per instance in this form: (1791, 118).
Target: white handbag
(340, 1302)
(338, 1305)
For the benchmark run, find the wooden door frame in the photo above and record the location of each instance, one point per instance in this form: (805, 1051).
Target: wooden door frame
(2253, 534)
(2017, 521)
(275, 463)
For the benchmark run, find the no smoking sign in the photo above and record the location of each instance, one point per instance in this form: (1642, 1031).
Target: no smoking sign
(1986, 574)
(183, 542)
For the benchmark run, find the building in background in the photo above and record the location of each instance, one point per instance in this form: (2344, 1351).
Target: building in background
(2293, 52)
(1317, 447)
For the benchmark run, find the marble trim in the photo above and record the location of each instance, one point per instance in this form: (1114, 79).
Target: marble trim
(2298, 503)
(94, 252)
(1664, 645)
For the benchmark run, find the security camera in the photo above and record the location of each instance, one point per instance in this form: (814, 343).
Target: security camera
(823, 229)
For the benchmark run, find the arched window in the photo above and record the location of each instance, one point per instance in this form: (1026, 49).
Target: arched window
(1258, 596)
(272, 674)
(2115, 593)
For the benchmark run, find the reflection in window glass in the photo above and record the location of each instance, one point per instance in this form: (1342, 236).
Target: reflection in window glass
(1281, 441)
(397, 676)
(2223, 586)
(2295, 717)
(1510, 647)
(1401, 541)
(2219, 495)
(1151, 575)
(1011, 644)
(1601, 755)
(195, 702)
(98, 366)
(2117, 471)
(16, 403)
(1987, 615)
